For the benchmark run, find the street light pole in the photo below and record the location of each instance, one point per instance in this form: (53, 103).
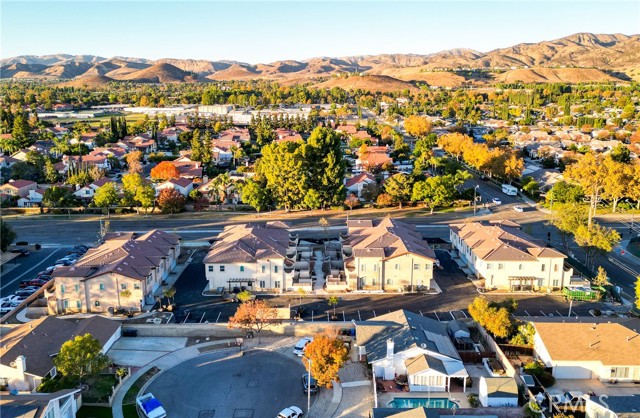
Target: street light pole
(475, 200)
(308, 384)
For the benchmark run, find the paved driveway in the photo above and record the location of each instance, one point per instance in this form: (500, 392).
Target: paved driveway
(258, 384)
(139, 351)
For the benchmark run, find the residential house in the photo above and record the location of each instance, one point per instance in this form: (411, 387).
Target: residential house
(372, 158)
(45, 147)
(498, 392)
(233, 193)
(222, 151)
(248, 255)
(88, 139)
(21, 154)
(61, 404)
(406, 343)
(182, 185)
(386, 255)
(171, 133)
(499, 253)
(235, 134)
(607, 406)
(356, 183)
(143, 143)
(347, 129)
(87, 192)
(17, 188)
(93, 159)
(607, 351)
(287, 135)
(127, 261)
(59, 131)
(7, 161)
(28, 349)
(187, 168)
(33, 199)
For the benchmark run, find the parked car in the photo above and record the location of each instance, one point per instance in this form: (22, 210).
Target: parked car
(49, 269)
(290, 412)
(27, 291)
(35, 282)
(496, 201)
(23, 252)
(6, 307)
(518, 208)
(298, 350)
(313, 388)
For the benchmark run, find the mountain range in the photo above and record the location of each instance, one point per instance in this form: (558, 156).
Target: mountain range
(582, 57)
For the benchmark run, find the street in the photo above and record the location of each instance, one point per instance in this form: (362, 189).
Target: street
(27, 268)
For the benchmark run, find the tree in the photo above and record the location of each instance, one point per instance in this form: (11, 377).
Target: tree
(171, 201)
(637, 303)
(164, 171)
(125, 294)
(245, 296)
(621, 154)
(254, 315)
(524, 337)
(370, 192)
(352, 201)
(333, 302)
(282, 167)
(417, 126)
(50, 172)
(7, 235)
(601, 278)
(496, 319)
(106, 196)
(399, 188)
(455, 143)
(169, 293)
(133, 160)
(130, 184)
(327, 355)
(57, 197)
(588, 172)
(325, 166)
(255, 193)
(81, 357)
(595, 239)
(384, 200)
(146, 196)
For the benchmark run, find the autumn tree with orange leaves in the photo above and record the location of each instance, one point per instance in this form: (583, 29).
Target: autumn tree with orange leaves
(455, 143)
(254, 315)
(327, 354)
(164, 171)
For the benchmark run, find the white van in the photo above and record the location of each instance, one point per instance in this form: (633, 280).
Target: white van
(509, 190)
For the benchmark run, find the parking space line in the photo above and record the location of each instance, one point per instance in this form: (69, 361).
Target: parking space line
(374, 313)
(437, 317)
(559, 313)
(421, 313)
(219, 313)
(344, 318)
(30, 270)
(543, 314)
(527, 313)
(359, 317)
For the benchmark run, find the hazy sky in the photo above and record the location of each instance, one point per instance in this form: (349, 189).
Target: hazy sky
(265, 31)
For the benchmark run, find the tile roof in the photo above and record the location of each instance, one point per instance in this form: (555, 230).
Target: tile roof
(390, 236)
(423, 363)
(182, 182)
(128, 254)
(248, 243)
(610, 343)
(407, 330)
(502, 241)
(363, 177)
(39, 339)
(19, 184)
(187, 168)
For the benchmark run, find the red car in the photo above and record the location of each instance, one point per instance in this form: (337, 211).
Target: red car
(34, 282)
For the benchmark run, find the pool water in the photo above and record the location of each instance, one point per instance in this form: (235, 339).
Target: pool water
(443, 403)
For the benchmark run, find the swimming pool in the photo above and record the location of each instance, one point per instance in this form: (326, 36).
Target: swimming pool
(426, 402)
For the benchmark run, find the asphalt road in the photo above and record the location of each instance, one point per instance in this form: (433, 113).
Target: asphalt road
(28, 267)
(258, 384)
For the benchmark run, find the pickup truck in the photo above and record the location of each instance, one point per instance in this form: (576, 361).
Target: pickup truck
(150, 406)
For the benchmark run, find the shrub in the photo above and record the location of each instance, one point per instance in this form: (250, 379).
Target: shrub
(544, 377)
(38, 246)
(474, 401)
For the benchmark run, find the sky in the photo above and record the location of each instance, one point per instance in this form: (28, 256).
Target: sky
(266, 31)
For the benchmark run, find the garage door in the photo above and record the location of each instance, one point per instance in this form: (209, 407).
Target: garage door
(571, 372)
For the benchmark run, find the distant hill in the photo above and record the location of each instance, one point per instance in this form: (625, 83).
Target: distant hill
(381, 83)
(582, 57)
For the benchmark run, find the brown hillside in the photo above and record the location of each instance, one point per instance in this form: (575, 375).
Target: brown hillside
(87, 81)
(554, 75)
(234, 72)
(373, 83)
(158, 73)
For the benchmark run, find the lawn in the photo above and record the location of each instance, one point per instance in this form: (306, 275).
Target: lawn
(99, 388)
(129, 411)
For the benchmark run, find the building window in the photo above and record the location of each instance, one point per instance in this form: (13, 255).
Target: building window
(556, 282)
(416, 266)
(374, 281)
(65, 304)
(389, 281)
(277, 283)
(397, 267)
(500, 266)
(520, 266)
(427, 267)
(363, 267)
(78, 304)
(221, 268)
(262, 284)
(62, 288)
(96, 303)
(136, 286)
(275, 269)
(123, 286)
(555, 267)
(264, 269)
(210, 269)
(375, 267)
(489, 266)
(76, 287)
(241, 268)
(543, 267)
(101, 286)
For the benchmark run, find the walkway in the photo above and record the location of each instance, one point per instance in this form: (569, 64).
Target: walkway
(318, 287)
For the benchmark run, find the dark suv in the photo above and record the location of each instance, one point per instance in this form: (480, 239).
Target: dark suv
(313, 388)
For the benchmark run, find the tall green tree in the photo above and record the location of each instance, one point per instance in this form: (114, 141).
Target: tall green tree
(595, 239)
(106, 196)
(7, 235)
(81, 357)
(325, 166)
(282, 165)
(57, 197)
(50, 172)
(255, 193)
(399, 187)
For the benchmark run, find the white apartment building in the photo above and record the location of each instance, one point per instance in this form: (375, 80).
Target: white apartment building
(386, 255)
(249, 256)
(507, 258)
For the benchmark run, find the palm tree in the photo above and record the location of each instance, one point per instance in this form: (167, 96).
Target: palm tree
(169, 292)
(221, 183)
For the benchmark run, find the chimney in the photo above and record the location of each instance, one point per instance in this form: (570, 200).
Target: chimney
(390, 347)
(21, 365)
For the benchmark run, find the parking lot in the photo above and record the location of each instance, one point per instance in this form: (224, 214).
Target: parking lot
(457, 293)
